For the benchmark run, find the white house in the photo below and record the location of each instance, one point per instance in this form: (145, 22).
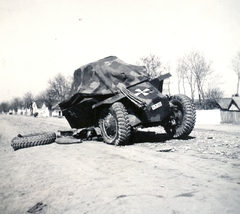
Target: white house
(27, 112)
(40, 109)
(10, 111)
(20, 111)
(56, 111)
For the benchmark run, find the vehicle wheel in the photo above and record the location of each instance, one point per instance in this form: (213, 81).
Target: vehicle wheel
(184, 115)
(44, 138)
(115, 126)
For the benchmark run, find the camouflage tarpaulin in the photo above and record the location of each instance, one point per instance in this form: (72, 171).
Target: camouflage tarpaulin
(95, 82)
(106, 76)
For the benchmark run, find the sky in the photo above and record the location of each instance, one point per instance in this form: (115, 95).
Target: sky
(41, 38)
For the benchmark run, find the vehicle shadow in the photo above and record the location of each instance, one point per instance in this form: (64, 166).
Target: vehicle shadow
(139, 136)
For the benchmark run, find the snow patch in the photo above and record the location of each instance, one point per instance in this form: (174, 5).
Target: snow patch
(208, 116)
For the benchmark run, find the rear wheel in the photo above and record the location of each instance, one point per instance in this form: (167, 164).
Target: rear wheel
(115, 126)
(183, 117)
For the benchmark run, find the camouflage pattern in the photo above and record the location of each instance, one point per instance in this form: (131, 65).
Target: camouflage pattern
(106, 76)
(110, 80)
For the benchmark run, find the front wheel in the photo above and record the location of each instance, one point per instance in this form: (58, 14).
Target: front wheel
(182, 118)
(115, 126)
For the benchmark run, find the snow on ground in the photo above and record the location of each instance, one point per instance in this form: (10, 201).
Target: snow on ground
(208, 116)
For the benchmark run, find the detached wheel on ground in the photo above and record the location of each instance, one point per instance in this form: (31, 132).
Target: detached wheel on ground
(26, 141)
(184, 116)
(115, 126)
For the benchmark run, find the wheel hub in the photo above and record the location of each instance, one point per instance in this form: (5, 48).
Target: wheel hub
(178, 117)
(110, 125)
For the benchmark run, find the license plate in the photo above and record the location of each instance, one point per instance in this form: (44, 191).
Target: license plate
(157, 105)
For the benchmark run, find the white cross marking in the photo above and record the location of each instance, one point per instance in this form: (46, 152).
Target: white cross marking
(144, 92)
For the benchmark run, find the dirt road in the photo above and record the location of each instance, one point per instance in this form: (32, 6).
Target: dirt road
(198, 175)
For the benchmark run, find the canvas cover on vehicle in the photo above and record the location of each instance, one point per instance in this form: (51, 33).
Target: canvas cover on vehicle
(106, 76)
(95, 82)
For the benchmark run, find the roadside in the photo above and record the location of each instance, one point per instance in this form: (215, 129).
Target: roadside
(228, 128)
(198, 175)
(211, 120)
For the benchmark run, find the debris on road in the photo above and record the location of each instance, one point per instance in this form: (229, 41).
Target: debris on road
(165, 150)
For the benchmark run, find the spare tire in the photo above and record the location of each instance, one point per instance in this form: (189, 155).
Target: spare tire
(38, 139)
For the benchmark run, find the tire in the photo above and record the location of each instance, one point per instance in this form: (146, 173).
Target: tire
(184, 115)
(114, 125)
(33, 140)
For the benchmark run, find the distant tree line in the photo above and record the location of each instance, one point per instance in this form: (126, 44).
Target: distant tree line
(194, 76)
(193, 73)
(58, 90)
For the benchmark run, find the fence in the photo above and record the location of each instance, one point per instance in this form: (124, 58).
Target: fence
(230, 117)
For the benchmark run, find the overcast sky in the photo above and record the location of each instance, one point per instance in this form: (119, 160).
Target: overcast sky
(41, 38)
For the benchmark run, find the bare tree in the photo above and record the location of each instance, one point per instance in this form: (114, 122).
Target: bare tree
(27, 100)
(185, 73)
(212, 95)
(153, 65)
(195, 69)
(201, 70)
(16, 103)
(4, 107)
(236, 68)
(45, 97)
(167, 69)
(181, 69)
(59, 88)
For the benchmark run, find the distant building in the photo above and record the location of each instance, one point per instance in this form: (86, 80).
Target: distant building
(56, 111)
(230, 110)
(40, 109)
(20, 111)
(27, 112)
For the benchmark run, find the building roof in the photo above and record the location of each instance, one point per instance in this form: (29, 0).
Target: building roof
(224, 103)
(232, 103)
(38, 103)
(236, 101)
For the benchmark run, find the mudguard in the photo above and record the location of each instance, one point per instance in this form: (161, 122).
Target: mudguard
(156, 105)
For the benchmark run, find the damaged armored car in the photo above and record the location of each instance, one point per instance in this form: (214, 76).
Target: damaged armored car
(118, 97)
